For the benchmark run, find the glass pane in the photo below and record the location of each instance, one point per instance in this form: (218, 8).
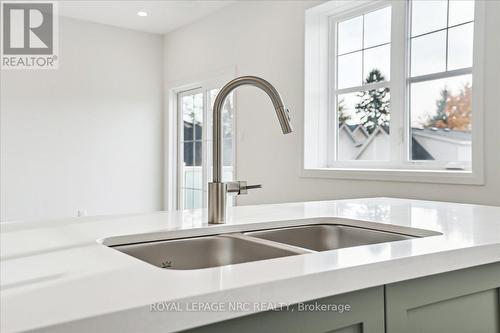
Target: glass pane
(227, 131)
(364, 125)
(197, 199)
(427, 16)
(191, 184)
(461, 11)
(350, 35)
(460, 46)
(188, 199)
(227, 118)
(441, 115)
(188, 129)
(349, 70)
(198, 153)
(197, 177)
(428, 54)
(377, 27)
(187, 115)
(198, 116)
(227, 152)
(377, 58)
(188, 153)
(189, 177)
(209, 161)
(198, 131)
(212, 96)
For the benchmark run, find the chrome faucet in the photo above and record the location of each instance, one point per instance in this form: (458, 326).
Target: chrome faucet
(217, 190)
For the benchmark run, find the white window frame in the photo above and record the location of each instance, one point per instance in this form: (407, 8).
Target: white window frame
(173, 155)
(180, 142)
(332, 141)
(318, 146)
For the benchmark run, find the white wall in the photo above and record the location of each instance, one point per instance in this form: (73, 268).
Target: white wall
(86, 136)
(267, 39)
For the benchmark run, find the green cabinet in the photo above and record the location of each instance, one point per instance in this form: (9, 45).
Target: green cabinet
(366, 314)
(463, 301)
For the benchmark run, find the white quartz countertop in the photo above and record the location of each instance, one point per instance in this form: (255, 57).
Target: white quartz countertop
(56, 276)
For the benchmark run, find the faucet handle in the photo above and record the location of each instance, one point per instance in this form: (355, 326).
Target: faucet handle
(241, 187)
(252, 187)
(244, 187)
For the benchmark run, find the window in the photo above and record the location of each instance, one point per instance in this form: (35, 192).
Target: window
(362, 93)
(440, 81)
(389, 88)
(195, 145)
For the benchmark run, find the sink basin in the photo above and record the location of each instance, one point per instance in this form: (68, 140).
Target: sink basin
(327, 237)
(203, 252)
(207, 251)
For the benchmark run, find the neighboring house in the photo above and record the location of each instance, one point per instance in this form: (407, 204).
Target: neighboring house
(193, 152)
(191, 157)
(444, 144)
(427, 144)
(376, 146)
(351, 139)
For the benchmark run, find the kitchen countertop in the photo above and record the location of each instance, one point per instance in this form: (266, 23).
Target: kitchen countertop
(59, 273)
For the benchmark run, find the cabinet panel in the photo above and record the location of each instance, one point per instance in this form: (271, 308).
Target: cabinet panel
(460, 301)
(351, 329)
(461, 314)
(365, 316)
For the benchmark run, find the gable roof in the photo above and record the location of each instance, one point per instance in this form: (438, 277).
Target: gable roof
(418, 152)
(361, 129)
(440, 133)
(350, 130)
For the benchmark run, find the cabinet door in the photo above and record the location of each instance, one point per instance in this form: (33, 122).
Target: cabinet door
(462, 301)
(366, 315)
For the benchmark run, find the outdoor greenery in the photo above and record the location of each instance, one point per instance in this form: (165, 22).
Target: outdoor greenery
(373, 108)
(341, 112)
(453, 111)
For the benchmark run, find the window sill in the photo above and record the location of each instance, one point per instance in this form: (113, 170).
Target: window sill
(398, 175)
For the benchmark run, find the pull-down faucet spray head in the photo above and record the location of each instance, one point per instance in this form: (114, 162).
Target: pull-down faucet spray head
(284, 119)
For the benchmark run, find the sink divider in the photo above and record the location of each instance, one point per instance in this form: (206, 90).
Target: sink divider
(296, 249)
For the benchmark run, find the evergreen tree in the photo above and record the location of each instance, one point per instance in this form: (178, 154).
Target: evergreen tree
(343, 116)
(373, 109)
(440, 119)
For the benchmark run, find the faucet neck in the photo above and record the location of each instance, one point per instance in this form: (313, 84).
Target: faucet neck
(217, 190)
(217, 139)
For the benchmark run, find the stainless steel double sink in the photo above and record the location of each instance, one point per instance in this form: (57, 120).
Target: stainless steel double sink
(234, 248)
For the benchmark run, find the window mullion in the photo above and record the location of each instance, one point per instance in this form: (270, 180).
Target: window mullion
(180, 155)
(369, 86)
(440, 75)
(332, 117)
(398, 87)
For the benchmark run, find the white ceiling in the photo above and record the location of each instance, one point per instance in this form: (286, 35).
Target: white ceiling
(163, 16)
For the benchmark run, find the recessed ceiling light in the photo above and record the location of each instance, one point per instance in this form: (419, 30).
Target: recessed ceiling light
(142, 14)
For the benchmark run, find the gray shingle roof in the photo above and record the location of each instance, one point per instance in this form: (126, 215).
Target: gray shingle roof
(442, 133)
